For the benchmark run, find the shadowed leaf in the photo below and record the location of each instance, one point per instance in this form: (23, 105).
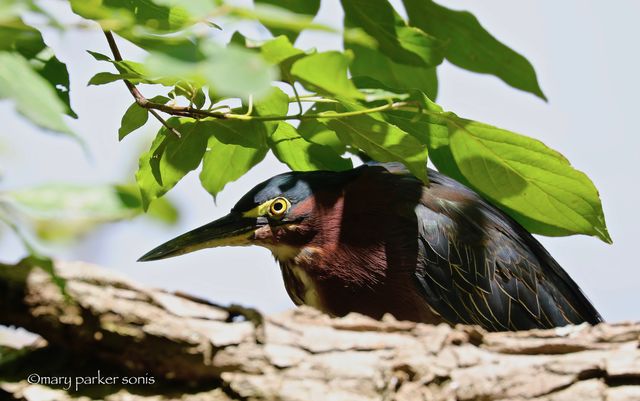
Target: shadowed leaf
(134, 118)
(232, 150)
(170, 158)
(470, 46)
(300, 155)
(307, 8)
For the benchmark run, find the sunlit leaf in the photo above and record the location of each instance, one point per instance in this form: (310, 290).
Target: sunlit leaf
(373, 64)
(17, 36)
(534, 184)
(230, 71)
(155, 16)
(326, 72)
(520, 172)
(279, 49)
(64, 212)
(33, 96)
(161, 209)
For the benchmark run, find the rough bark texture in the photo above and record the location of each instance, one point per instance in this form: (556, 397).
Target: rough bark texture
(198, 351)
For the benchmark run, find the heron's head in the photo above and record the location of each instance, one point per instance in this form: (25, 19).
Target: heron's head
(282, 214)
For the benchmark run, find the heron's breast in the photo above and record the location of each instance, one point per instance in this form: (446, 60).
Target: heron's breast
(300, 286)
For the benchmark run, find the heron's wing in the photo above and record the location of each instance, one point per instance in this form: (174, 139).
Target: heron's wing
(478, 266)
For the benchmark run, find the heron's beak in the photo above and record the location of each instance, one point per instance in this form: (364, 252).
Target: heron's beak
(230, 230)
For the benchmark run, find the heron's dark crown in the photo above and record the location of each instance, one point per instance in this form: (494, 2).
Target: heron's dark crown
(295, 186)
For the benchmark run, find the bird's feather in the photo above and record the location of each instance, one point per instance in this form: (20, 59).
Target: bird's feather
(479, 266)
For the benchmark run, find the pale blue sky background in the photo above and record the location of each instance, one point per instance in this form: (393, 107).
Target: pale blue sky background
(586, 54)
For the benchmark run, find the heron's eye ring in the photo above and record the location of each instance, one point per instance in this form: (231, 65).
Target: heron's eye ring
(278, 207)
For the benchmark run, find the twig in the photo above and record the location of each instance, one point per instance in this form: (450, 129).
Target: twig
(140, 99)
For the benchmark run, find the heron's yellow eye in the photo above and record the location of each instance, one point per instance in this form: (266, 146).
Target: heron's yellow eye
(278, 207)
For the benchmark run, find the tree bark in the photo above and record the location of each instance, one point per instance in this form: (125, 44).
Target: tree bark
(195, 350)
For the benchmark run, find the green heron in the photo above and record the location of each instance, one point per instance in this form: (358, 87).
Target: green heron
(376, 240)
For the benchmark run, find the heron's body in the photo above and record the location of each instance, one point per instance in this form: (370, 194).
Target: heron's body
(375, 240)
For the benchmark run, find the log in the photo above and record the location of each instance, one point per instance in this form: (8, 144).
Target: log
(195, 350)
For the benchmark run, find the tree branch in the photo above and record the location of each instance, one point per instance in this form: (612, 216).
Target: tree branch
(188, 111)
(303, 355)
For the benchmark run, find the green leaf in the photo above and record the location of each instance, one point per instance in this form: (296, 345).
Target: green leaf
(526, 176)
(276, 103)
(326, 72)
(15, 35)
(293, 150)
(238, 72)
(285, 17)
(386, 66)
(195, 96)
(373, 64)
(161, 209)
(397, 41)
(307, 8)
(522, 176)
(104, 77)
(230, 71)
(278, 50)
(33, 96)
(134, 118)
(34, 257)
(170, 158)
(153, 16)
(316, 132)
(382, 141)
(56, 73)
(199, 98)
(99, 56)
(233, 149)
(46, 263)
(432, 131)
(470, 46)
(62, 212)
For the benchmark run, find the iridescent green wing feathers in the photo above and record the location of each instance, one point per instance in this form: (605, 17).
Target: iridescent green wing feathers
(478, 266)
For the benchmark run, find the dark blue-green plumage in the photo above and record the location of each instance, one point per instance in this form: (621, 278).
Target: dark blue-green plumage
(479, 266)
